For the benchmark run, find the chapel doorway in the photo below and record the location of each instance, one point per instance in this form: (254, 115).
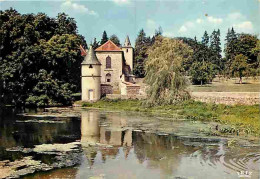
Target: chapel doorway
(91, 94)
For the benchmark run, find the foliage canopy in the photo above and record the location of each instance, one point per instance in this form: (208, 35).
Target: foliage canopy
(115, 39)
(40, 58)
(239, 66)
(165, 72)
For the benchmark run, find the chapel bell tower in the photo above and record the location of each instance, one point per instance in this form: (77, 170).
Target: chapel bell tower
(90, 77)
(128, 52)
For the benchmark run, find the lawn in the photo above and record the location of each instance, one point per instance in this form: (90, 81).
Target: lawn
(230, 85)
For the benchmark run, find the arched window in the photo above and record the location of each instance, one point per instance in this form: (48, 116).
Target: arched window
(126, 50)
(108, 62)
(108, 77)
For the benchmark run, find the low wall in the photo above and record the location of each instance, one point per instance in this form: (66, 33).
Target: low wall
(228, 98)
(129, 89)
(133, 90)
(119, 96)
(106, 89)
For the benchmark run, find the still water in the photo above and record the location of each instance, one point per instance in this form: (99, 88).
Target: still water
(123, 151)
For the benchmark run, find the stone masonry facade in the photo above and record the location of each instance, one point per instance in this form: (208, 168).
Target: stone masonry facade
(106, 89)
(116, 67)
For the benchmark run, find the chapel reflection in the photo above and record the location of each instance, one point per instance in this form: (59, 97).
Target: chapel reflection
(111, 137)
(90, 130)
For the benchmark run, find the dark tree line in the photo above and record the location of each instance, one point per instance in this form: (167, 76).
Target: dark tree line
(202, 66)
(104, 39)
(241, 55)
(40, 60)
(142, 44)
(206, 61)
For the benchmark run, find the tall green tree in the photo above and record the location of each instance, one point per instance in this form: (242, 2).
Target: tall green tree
(187, 63)
(65, 24)
(256, 52)
(142, 43)
(95, 44)
(237, 44)
(104, 38)
(215, 46)
(49, 91)
(33, 43)
(246, 43)
(201, 72)
(199, 67)
(115, 39)
(231, 48)
(205, 39)
(158, 31)
(239, 67)
(63, 51)
(165, 72)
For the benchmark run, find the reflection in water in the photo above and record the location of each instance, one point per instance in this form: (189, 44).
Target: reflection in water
(113, 150)
(163, 152)
(92, 132)
(154, 156)
(26, 134)
(68, 173)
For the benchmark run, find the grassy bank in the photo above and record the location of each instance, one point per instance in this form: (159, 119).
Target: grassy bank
(238, 120)
(250, 84)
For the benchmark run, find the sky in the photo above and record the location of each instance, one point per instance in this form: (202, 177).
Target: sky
(178, 18)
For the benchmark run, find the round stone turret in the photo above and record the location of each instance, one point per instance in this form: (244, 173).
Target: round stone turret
(90, 77)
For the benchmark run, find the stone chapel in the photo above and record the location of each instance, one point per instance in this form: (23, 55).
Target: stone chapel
(107, 70)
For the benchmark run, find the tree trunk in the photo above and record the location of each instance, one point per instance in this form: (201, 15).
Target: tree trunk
(200, 82)
(240, 80)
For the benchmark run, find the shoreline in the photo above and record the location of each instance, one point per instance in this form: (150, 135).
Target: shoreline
(239, 120)
(176, 126)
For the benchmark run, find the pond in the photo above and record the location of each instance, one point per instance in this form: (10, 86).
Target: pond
(118, 145)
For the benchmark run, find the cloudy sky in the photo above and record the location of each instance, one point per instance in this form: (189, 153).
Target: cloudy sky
(177, 18)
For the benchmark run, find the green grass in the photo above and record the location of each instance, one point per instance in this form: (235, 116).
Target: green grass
(230, 85)
(238, 120)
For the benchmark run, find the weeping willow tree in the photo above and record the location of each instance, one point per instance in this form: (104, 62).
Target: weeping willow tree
(165, 73)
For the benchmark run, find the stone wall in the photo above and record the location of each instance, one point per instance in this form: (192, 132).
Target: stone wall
(228, 98)
(119, 96)
(143, 86)
(128, 88)
(133, 90)
(106, 89)
(116, 69)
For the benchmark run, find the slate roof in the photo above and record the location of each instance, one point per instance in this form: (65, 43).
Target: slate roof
(91, 58)
(127, 42)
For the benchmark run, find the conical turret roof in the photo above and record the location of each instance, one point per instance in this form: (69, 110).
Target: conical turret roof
(127, 42)
(91, 58)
